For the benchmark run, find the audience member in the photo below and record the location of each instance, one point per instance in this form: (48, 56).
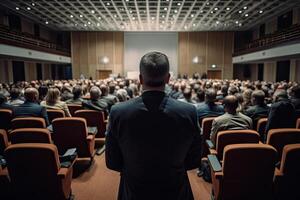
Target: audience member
(95, 103)
(187, 96)
(31, 108)
(52, 101)
(15, 97)
(282, 113)
(3, 102)
(231, 120)
(77, 93)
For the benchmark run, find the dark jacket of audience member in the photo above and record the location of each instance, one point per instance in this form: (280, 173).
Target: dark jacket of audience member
(95, 103)
(30, 108)
(77, 93)
(3, 102)
(15, 97)
(282, 113)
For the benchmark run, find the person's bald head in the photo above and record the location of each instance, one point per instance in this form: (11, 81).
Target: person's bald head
(230, 104)
(31, 94)
(95, 93)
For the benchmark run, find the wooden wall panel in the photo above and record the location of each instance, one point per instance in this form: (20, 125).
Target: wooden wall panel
(210, 47)
(270, 71)
(90, 47)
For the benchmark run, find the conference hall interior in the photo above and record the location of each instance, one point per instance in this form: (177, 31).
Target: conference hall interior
(149, 99)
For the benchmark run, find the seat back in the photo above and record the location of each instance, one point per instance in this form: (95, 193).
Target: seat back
(53, 114)
(288, 185)
(33, 171)
(298, 123)
(5, 119)
(73, 108)
(69, 133)
(261, 127)
(28, 122)
(95, 119)
(30, 135)
(278, 138)
(206, 129)
(3, 141)
(228, 137)
(248, 171)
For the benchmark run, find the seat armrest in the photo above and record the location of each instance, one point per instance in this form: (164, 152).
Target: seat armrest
(63, 172)
(209, 144)
(90, 137)
(213, 152)
(92, 130)
(277, 172)
(214, 163)
(106, 121)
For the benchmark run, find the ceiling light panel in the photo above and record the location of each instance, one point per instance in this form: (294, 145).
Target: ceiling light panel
(149, 15)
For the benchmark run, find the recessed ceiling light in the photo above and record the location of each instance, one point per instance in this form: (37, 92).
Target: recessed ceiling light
(185, 27)
(80, 16)
(245, 7)
(192, 15)
(216, 8)
(227, 8)
(212, 12)
(28, 8)
(133, 18)
(46, 22)
(165, 8)
(98, 24)
(17, 8)
(261, 11)
(89, 23)
(127, 0)
(108, 3)
(153, 18)
(92, 11)
(99, 18)
(246, 15)
(85, 25)
(33, 4)
(194, 25)
(201, 11)
(71, 16)
(163, 16)
(240, 24)
(163, 22)
(130, 11)
(240, 11)
(75, 24)
(115, 16)
(178, 4)
(217, 22)
(207, 3)
(236, 22)
(175, 11)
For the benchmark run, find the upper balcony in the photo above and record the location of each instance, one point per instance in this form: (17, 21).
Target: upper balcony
(287, 36)
(19, 39)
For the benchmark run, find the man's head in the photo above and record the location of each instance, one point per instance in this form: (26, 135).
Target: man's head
(187, 93)
(15, 93)
(258, 97)
(210, 96)
(280, 95)
(3, 98)
(77, 92)
(104, 89)
(230, 104)
(296, 91)
(154, 70)
(31, 94)
(95, 93)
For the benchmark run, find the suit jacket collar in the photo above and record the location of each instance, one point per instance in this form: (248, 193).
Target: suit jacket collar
(154, 100)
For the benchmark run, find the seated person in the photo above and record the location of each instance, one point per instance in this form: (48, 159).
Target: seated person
(15, 99)
(209, 108)
(30, 108)
(122, 95)
(187, 96)
(95, 103)
(3, 102)
(52, 102)
(77, 93)
(231, 120)
(295, 99)
(282, 113)
(109, 99)
(259, 108)
(66, 92)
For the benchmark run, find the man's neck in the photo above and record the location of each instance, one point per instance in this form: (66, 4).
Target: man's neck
(148, 88)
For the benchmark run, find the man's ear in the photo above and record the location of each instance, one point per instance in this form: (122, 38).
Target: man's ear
(141, 79)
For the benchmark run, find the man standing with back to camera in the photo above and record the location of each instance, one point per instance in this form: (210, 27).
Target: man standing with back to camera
(153, 140)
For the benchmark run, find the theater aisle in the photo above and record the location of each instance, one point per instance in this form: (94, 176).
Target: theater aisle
(100, 183)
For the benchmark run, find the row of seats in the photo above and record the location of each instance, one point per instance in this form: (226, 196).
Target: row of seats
(242, 167)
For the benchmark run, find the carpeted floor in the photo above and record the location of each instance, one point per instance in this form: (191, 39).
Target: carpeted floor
(100, 183)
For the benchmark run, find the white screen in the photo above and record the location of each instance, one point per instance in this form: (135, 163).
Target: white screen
(138, 44)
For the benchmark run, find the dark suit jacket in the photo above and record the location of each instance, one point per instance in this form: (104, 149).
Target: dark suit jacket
(256, 112)
(153, 140)
(98, 105)
(30, 109)
(282, 115)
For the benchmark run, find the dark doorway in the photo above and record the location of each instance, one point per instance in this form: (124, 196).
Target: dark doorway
(36, 29)
(283, 71)
(53, 71)
(14, 22)
(285, 20)
(39, 72)
(260, 71)
(18, 71)
(262, 30)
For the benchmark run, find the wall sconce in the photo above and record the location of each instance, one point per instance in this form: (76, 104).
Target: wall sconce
(104, 60)
(213, 66)
(197, 60)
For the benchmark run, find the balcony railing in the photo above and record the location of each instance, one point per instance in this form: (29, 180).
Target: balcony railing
(286, 36)
(27, 41)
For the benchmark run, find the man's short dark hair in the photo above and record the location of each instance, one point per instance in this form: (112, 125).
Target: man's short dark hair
(15, 93)
(77, 91)
(296, 91)
(154, 67)
(231, 103)
(210, 96)
(259, 97)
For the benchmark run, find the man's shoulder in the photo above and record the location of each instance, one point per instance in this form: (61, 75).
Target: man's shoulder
(241, 115)
(126, 105)
(180, 105)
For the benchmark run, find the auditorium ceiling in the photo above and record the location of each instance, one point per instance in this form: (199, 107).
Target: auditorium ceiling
(150, 15)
